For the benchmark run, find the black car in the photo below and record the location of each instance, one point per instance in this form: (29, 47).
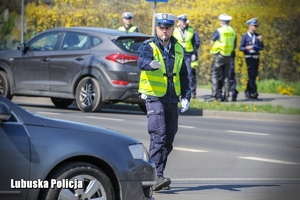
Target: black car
(94, 66)
(48, 159)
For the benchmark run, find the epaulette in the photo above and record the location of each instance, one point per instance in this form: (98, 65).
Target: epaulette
(148, 41)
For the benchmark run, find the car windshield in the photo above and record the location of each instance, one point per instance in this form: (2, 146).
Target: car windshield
(130, 44)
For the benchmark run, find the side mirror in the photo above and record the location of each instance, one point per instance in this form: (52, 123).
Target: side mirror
(5, 112)
(21, 46)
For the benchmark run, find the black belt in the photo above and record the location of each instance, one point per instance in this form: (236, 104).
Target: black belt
(169, 75)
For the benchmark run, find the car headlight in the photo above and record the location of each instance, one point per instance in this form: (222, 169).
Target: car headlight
(138, 151)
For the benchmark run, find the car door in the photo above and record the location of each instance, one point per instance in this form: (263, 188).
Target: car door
(31, 70)
(67, 62)
(15, 159)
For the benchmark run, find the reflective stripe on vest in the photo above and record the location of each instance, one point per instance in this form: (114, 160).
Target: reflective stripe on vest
(155, 82)
(225, 44)
(185, 41)
(131, 29)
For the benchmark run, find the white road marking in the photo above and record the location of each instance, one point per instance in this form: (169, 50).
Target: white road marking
(270, 160)
(104, 118)
(190, 150)
(244, 132)
(48, 113)
(235, 179)
(181, 126)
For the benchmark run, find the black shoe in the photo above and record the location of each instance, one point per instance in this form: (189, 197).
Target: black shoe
(234, 97)
(194, 96)
(161, 182)
(254, 96)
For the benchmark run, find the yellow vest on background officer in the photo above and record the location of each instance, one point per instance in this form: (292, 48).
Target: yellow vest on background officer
(225, 44)
(190, 42)
(128, 27)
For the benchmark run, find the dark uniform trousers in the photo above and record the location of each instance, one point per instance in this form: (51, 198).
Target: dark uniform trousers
(162, 127)
(252, 66)
(232, 81)
(192, 74)
(220, 68)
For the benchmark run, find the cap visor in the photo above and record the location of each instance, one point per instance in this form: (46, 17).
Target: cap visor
(164, 25)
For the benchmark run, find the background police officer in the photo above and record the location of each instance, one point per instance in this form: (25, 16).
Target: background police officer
(223, 43)
(251, 44)
(128, 27)
(190, 42)
(163, 79)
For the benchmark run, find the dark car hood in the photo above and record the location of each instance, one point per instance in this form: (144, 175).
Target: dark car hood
(64, 124)
(9, 53)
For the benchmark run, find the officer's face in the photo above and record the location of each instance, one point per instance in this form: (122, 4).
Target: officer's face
(182, 24)
(127, 21)
(165, 32)
(253, 27)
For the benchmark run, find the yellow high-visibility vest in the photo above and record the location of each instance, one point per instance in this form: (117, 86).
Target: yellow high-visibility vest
(155, 82)
(225, 44)
(131, 29)
(186, 42)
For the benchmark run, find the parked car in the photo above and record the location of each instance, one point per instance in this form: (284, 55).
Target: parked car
(94, 66)
(48, 159)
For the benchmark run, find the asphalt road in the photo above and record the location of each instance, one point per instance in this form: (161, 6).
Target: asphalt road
(213, 158)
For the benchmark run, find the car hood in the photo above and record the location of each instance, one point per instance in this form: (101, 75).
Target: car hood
(64, 124)
(9, 53)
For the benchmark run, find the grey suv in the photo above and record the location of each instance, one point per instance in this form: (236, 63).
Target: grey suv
(93, 66)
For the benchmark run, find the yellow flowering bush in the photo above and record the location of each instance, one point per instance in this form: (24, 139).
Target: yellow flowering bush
(278, 19)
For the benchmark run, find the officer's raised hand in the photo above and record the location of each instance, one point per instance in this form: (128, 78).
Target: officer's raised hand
(260, 38)
(155, 64)
(185, 104)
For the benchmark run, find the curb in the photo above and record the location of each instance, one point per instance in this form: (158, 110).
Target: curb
(252, 116)
(218, 114)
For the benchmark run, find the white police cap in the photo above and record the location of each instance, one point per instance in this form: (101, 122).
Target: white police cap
(183, 17)
(224, 17)
(127, 15)
(165, 19)
(252, 21)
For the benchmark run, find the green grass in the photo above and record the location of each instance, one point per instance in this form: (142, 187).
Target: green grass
(242, 107)
(268, 86)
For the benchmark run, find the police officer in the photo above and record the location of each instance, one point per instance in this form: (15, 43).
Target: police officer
(190, 42)
(163, 83)
(251, 44)
(223, 43)
(128, 27)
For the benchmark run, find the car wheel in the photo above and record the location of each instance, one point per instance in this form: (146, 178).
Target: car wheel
(61, 103)
(95, 183)
(143, 107)
(88, 95)
(4, 85)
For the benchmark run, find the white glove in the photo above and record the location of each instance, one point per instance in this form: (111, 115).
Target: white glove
(193, 57)
(155, 64)
(185, 104)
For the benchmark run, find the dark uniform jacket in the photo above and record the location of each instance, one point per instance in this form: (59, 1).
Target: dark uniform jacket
(249, 40)
(145, 54)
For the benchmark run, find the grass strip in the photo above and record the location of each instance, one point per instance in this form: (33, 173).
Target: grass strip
(244, 107)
